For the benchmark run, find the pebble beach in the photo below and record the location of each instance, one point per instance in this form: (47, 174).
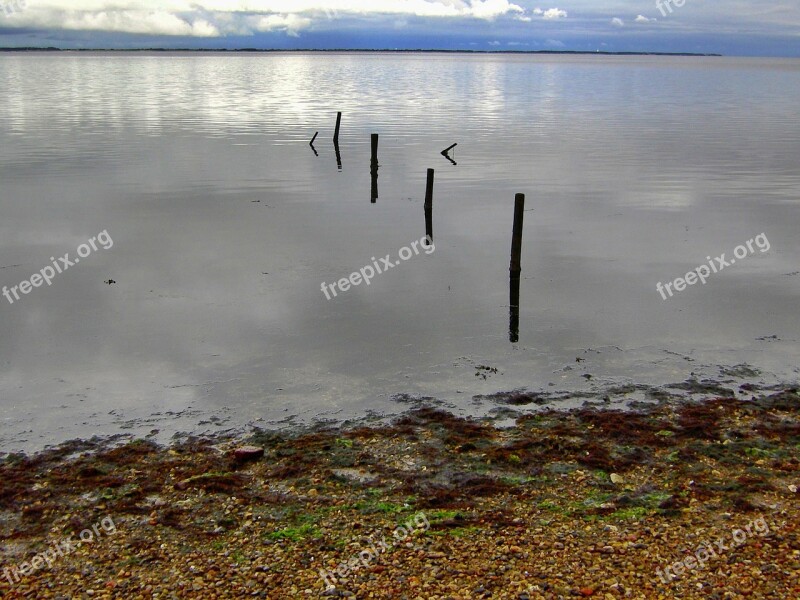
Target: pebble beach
(678, 500)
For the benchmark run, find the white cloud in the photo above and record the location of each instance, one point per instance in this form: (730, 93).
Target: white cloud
(555, 13)
(617, 22)
(131, 21)
(494, 43)
(490, 9)
(291, 24)
(43, 19)
(213, 18)
(550, 13)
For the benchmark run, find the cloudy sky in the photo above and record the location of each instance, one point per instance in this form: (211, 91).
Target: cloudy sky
(734, 27)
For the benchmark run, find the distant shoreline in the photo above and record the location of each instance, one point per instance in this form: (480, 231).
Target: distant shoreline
(354, 50)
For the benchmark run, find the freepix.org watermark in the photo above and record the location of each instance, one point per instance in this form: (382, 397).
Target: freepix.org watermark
(716, 265)
(9, 7)
(707, 551)
(419, 522)
(47, 274)
(666, 5)
(47, 559)
(368, 273)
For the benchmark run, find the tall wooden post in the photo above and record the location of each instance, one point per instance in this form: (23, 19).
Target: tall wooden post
(515, 270)
(516, 238)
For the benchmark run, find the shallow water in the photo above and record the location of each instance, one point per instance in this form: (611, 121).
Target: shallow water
(225, 224)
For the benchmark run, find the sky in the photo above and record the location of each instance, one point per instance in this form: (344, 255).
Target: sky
(730, 27)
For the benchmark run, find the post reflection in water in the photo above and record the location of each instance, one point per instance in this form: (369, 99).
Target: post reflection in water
(374, 168)
(374, 172)
(338, 154)
(311, 143)
(429, 223)
(513, 328)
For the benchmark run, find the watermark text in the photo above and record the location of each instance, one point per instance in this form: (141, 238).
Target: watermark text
(376, 547)
(9, 7)
(47, 558)
(707, 551)
(368, 273)
(47, 274)
(666, 5)
(716, 265)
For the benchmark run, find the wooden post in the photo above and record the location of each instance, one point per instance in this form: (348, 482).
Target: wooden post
(375, 148)
(516, 267)
(516, 239)
(313, 139)
(429, 190)
(338, 126)
(429, 207)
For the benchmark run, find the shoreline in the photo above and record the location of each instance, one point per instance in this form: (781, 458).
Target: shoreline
(500, 408)
(585, 502)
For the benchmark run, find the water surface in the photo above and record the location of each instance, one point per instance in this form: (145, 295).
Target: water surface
(225, 224)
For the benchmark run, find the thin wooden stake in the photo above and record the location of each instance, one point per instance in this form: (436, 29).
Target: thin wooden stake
(447, 150)
(338, 126)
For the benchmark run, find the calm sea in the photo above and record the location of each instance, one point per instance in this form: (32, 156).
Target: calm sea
(225, 223)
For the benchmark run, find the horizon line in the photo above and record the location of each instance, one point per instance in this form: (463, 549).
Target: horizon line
(387, 50)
